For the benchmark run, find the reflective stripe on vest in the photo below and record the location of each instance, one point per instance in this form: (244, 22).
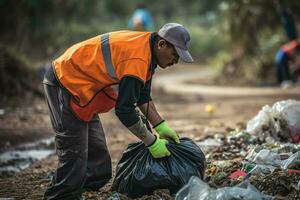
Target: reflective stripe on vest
(107, 55)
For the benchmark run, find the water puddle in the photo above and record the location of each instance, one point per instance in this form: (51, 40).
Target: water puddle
(21, 157)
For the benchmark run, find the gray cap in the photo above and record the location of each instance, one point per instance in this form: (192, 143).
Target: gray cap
(179, 36)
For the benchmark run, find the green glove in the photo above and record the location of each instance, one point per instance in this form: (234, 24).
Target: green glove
(166, 132)
(159, 149)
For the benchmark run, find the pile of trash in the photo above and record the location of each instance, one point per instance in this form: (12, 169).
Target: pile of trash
(240, 158)
(261, 162)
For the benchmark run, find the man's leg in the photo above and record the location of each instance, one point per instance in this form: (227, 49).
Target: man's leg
(282, 68)
(71, 142)
(99, 170)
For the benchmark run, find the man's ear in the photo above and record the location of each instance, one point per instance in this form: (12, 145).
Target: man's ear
(161, 43)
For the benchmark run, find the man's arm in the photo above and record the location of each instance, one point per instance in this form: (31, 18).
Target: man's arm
(145, 98)
(129, 95)
(153, 116)
(129, 92)
(148, 108)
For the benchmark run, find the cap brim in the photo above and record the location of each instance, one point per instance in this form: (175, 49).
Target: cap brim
(184, 55)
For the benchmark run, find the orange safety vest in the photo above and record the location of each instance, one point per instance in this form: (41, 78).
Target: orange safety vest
(290, 47)
(90, 69)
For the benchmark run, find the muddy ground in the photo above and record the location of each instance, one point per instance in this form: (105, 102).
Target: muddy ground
(185, 112)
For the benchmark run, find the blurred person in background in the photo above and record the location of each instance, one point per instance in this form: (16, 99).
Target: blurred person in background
(287, 61)
(80, 84)
(288, 54)
(141, 19)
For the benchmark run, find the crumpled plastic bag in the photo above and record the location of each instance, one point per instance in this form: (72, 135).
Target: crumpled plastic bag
(265, 157)
(281, 121)
(196, 189)
(138, 173)
(267, 161)
(290, 110)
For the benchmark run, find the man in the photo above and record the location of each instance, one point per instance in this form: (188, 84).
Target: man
(287, 55)
(80, 84)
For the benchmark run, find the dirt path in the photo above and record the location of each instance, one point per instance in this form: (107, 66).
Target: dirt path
(186, 83)
(181, 106)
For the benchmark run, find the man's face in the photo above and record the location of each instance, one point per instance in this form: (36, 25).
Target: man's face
(166, 54)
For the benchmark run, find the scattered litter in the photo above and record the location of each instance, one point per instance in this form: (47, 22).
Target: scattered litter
(209, 144)
(267, 157)
(237, 174)
(247, 166)
(291, 171)
(261, 170)
(196, 189)
(293, 162)
(222, 163)
(210, 109)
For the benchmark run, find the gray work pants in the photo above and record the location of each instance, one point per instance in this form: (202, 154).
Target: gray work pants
(84, 161)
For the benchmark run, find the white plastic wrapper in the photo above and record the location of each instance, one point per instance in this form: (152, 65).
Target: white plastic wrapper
(282, 120)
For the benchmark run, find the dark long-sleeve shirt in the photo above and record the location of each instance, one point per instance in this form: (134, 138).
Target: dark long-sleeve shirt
(132, 93)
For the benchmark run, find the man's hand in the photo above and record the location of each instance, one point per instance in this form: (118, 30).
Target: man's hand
(166, 132)
(159, 149)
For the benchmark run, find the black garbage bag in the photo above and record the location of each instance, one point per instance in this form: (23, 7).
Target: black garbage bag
(138, 173)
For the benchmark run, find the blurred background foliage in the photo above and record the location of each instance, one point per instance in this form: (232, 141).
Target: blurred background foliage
(237, 38)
